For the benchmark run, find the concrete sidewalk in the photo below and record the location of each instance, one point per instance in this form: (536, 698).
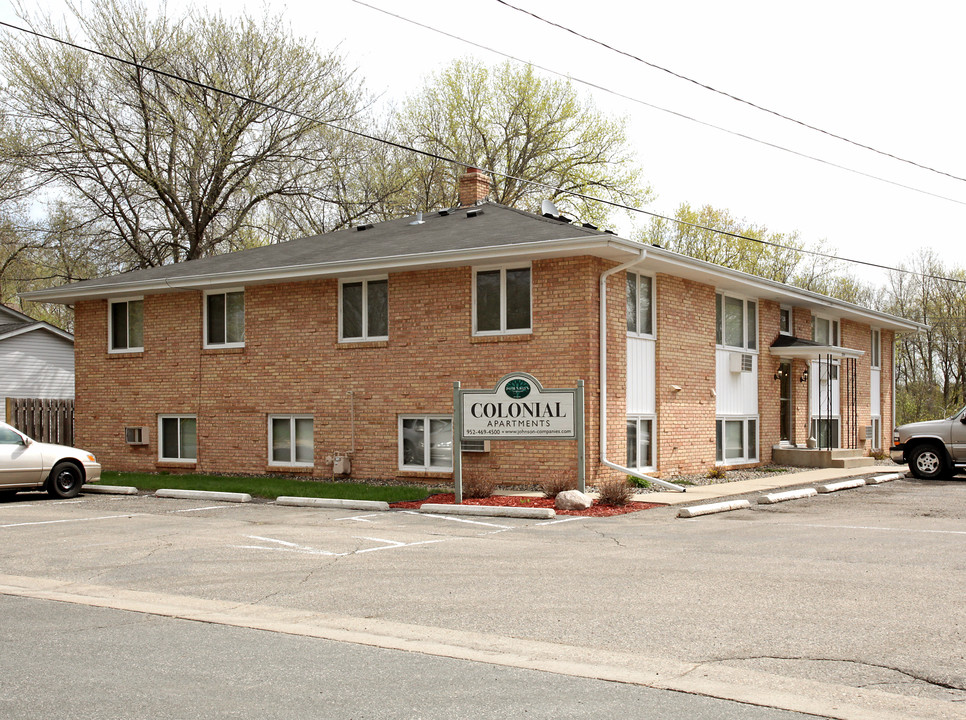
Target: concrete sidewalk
(778, 481)
(765, 484)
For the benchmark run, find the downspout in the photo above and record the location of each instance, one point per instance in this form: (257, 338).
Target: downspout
(603, 379)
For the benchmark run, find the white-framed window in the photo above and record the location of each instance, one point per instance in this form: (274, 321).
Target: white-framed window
(736, 440)
(640, 304)
(364, 309)
(736, 322)
(225, 318)
(501, 301)
(876, 440)
(125, 325)
(426, 443)
(291, 439)
(785, 320)
(876, 354)
(640, 442)
(825, 331)
(178, 438)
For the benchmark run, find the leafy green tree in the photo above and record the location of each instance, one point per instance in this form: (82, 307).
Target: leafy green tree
(524, 128)
(166, 170)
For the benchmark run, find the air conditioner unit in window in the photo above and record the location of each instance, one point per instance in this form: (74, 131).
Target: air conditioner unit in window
(136, 435)
(480, 446)
(741, 363)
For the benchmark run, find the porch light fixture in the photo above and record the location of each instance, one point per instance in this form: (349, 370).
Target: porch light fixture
(804, 377)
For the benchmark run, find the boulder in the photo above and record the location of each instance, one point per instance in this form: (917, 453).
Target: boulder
(573, 500)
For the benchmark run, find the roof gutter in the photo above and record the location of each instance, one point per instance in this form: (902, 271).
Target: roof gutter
(603, 378)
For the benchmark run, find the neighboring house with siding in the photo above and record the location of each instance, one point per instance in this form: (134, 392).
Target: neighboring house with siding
(36, 359)
(281, 358)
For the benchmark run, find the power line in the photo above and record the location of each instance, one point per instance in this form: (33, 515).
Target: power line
(659, 108)
(705, 86)
(455, 161)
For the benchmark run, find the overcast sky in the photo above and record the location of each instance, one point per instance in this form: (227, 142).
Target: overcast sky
(884, 74)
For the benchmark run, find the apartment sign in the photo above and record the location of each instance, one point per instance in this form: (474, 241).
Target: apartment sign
(519, 408)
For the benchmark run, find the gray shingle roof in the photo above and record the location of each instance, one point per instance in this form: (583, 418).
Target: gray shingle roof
(469, 228)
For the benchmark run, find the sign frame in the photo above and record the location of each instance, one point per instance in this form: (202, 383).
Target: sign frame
(551, 397)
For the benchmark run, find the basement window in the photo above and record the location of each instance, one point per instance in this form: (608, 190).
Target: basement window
(426, 443)
(736, 440)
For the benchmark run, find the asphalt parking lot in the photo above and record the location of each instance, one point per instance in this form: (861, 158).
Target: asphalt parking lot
(855, 596)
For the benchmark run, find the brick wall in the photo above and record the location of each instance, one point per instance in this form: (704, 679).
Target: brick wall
(293, 363)
(685, 357)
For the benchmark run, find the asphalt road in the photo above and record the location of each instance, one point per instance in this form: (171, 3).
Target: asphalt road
(87, 663)
(844, 605)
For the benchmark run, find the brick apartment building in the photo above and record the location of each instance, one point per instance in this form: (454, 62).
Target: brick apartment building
(286, 358)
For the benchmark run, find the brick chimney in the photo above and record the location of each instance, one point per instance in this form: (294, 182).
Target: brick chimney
(474, 187)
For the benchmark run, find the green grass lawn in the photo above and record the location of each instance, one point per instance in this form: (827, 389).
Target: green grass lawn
(268, 487)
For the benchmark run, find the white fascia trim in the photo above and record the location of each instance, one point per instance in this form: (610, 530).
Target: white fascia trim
(608, 246)
(39, 325)
(714, 273)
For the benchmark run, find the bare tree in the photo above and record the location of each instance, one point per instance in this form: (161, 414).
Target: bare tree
(169, 170)
(526, 129)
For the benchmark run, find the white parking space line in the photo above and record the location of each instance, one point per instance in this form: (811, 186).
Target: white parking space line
(562, 520)
(286, 547)
(361, 518)
(209, 507)
(462, 520)
(54, 522)
(46, 503)
(393, 544)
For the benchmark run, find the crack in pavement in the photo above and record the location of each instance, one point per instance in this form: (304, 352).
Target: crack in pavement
(919, 677)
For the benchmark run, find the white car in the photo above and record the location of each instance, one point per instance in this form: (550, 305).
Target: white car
(29, 465)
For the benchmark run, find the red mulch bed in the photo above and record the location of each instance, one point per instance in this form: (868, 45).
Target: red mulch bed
(594, 510)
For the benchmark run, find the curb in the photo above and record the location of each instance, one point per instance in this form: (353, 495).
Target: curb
(204, 495)
(332, 503)
(878, 479)
(490, 511)
(788, 495)
(697, 510)
(110, 489)
(844, 485)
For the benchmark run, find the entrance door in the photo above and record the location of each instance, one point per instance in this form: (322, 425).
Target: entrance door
(785, 401)
(825, 402)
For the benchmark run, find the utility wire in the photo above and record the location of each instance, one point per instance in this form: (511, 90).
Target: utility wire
(644, 103)
(455, 161)
(705, 86)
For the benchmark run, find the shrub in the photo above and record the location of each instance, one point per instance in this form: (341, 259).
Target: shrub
(716, 473)
(557, 484)
(614, 491)
(478, 487)
(640, 482)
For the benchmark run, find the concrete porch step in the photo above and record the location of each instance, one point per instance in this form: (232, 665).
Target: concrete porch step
(852, 462)
(813, 457)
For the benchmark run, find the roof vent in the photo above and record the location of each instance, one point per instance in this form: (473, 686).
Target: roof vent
(473, 213)
(610, 232)
(589, 226)
(419, 219)
(367, 226)
(444, 213)
(548, 209)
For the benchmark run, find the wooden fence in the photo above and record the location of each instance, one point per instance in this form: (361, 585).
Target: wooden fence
(43, 419)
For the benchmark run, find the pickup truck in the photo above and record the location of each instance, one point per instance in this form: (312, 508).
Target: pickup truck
(933, 449)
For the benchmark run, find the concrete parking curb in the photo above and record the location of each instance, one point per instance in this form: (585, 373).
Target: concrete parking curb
(490, 511)
(333, 503)
(697, 510)
(204, 495)
(877, 479)
(787, 495)
(110, 489)
(844, 485)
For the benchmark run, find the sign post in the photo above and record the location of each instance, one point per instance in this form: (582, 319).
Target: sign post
(517, 408)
